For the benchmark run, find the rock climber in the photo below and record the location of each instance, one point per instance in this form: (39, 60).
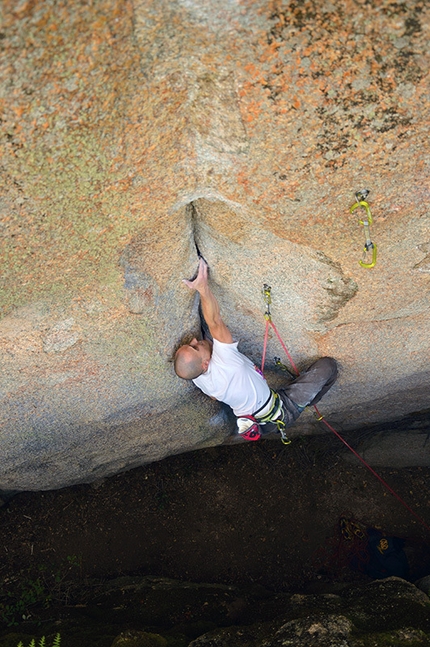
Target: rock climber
(221, 371)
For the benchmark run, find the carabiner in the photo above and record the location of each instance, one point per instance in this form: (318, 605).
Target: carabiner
(368, 247)
(284, 438)
(363, 203)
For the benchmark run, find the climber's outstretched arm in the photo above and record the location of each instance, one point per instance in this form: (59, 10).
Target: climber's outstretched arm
(210, 307)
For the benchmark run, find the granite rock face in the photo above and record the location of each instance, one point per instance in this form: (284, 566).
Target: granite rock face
(390, 611)
(402, 444)
(132, 132)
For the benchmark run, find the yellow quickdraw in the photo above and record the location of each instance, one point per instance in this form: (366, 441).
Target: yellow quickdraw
(267, 294)
(368, 220)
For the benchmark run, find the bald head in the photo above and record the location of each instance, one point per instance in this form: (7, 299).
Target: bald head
(191, 360)
(188, 364)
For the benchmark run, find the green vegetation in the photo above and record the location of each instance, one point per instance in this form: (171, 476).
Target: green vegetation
(42, 642)
(32, 591)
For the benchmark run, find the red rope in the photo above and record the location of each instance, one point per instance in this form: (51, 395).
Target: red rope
(384, 483)
(269, 322)
(322, 419)
(266, 333)
(296, 370)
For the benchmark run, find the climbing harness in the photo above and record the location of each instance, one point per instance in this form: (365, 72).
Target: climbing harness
(363, 549)
(273, 412)
(346, 548)
(367, 220)
(271, 409)
(318, 415)
(349, 529)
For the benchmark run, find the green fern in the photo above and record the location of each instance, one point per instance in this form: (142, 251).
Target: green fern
(42, 642)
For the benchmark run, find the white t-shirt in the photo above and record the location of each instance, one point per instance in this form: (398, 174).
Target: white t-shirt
(232, 378)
